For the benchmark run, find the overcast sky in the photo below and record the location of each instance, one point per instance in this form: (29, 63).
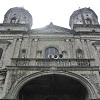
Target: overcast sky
(46, 11)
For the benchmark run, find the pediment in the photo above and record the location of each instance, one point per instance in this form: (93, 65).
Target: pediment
(53, 29)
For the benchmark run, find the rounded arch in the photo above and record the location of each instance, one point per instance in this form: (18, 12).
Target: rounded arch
(51, 51)
(47, 46)
(22, 81)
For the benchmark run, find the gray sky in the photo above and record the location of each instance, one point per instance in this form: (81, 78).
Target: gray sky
(46, 11)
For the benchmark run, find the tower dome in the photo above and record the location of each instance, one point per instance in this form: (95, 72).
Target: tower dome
(83, 16)
(18, 15)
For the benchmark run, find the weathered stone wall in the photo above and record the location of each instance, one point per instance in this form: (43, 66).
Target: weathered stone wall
(35, 44)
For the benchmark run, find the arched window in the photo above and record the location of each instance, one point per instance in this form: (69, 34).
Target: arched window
(79, 53)
(88, 21)
(1, 51)
(51, 52)
(13, 20)
(22, 53)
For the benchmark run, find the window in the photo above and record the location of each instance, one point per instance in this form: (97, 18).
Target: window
(51, 52)
(13, 20)
(88, 21)
(79, 53)
(1, 51)
(22, 53)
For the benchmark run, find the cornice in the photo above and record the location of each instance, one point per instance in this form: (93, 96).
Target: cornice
(11, 37)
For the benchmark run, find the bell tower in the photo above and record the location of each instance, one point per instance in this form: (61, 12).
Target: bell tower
(18, 15)
(84, 16)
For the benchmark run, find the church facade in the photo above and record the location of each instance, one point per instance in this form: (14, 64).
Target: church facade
(50, 63)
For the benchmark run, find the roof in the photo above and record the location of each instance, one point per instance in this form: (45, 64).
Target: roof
(51, 28)
(20, 13)
(83, 10)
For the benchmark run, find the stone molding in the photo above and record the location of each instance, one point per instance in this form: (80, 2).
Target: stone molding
(21, 81)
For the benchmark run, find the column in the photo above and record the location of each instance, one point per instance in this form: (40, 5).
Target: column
(89, 49)
(29, 48)
(84, 48)
(13, 47)
(17, 48)
(34, 47)
(69, 53)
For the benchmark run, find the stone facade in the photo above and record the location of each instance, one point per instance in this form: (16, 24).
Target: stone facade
(36, 54)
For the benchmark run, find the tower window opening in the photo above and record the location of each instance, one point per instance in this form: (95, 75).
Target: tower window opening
(88, 21)
(13, 20)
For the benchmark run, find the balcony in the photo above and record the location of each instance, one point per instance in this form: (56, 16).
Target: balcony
(53, 64)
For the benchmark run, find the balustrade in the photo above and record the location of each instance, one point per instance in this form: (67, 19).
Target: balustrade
(52, 62)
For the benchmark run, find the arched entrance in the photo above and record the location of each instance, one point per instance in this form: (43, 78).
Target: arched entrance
(53, 87)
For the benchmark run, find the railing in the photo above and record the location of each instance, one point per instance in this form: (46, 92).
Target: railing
(53, 62)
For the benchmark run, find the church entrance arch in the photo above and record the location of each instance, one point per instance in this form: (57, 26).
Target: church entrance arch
(56, 86)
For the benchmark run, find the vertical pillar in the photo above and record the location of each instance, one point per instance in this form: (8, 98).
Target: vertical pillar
(71, 48)
(8, 53)
(29, 48)
(17, 48)
(89, 49)
(34, 48)
(69, 53)
(84, 48)
(97, 55)
(66, 54)
(36, 45)
(13, 47)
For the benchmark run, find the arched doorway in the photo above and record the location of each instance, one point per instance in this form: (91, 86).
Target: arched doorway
(53, 87)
